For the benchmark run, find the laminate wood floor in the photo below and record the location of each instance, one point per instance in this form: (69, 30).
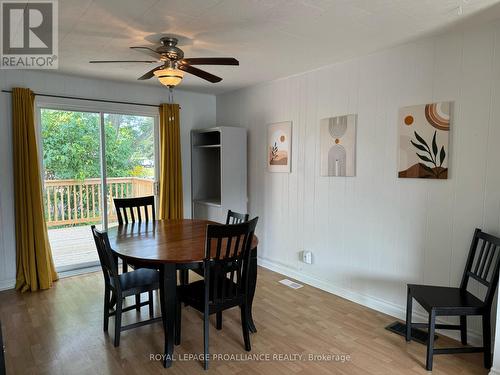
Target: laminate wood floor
(59, 331)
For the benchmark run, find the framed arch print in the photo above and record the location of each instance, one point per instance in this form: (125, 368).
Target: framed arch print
(424, 140)
(338, 146)
(279, 147)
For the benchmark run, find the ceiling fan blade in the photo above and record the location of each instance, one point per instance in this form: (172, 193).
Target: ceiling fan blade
(149, 74)
(211, 61)
(148, 51)
(122, 61)
(200, 73)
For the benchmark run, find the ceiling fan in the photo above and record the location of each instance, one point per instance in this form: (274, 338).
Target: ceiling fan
(173, 64)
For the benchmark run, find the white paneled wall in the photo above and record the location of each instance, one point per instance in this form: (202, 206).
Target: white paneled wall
(197, 111)
(373, 233)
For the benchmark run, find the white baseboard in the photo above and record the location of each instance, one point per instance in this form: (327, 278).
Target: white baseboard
(389, 308)
(7, 284)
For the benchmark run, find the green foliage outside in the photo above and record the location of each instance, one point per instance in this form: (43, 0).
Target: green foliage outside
(71, 145)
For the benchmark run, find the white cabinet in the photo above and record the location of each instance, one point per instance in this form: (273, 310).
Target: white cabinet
(218, 172)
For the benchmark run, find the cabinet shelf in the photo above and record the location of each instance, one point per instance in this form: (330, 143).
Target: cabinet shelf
(207, 146)
(209, 202)
(207, 138)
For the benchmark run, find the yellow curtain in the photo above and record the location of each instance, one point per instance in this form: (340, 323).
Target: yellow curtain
(171, 202)
(35, 268)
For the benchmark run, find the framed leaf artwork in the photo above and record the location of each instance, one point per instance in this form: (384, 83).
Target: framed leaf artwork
(424, 140)
(279, 147)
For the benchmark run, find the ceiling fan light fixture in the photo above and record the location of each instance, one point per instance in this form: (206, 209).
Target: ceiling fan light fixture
(172, 58)
(169, 76)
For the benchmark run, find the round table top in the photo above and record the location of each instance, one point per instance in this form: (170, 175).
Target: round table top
(162, 241)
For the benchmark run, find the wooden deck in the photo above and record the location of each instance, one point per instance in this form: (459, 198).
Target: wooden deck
(73, 245)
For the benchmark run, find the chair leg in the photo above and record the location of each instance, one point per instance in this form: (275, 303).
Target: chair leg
(118, 319)
(409, 300)
(487, 340)
(151, 304)
(124, 266)
(244, 326)
(430, 340)
(107, 300)
(205, 338)
(138, 302)
(218, 323)
(463, 329)
(184, 277)
(113, 299)
(178, 320)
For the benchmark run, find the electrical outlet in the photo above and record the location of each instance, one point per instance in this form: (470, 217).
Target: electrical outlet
(306, 257)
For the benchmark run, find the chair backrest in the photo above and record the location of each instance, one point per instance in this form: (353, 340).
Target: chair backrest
(236, 218)
(227, 254)
(108, 262)
(139, 204)
(483, 263)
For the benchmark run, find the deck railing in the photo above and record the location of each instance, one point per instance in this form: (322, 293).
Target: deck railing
(70, 202)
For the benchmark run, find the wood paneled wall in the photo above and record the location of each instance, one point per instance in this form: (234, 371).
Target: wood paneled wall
(373, 233)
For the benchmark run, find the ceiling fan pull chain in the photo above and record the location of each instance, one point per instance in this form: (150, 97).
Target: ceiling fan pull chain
(170, 94)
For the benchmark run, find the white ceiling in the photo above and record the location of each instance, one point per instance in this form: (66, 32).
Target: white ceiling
(270, 38)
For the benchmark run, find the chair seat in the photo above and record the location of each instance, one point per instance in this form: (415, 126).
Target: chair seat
(193, 295)
(139, 280)
(446, 300)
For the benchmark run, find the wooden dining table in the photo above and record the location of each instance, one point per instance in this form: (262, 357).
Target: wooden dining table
(169, 246)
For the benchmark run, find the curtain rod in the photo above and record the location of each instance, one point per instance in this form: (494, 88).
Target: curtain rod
(92, 100)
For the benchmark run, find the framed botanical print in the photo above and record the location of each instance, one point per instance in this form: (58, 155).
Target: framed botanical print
(279, 147)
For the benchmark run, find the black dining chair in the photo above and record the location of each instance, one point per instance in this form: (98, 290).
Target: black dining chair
(2, 355)
(131, 283)
(225, 282)
(231, 218)
(482, 266)
(236, 218)
(130, 209)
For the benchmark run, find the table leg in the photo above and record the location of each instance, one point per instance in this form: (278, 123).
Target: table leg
(168, 290)
(252, 283)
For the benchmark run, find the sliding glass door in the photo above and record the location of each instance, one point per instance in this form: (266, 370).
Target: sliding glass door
(90, 158)
(130, 158)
